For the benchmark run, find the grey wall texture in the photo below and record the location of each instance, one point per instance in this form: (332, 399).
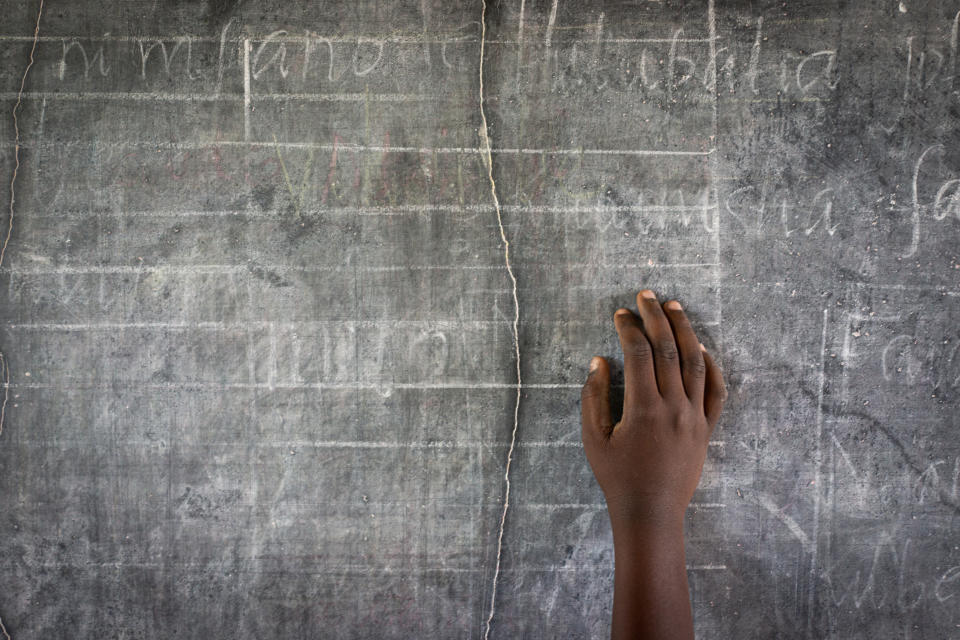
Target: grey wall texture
(258, 327)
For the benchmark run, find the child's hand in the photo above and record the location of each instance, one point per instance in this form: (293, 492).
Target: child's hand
(649, 463)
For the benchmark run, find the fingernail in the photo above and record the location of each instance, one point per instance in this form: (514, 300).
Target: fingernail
(673, 305)
(702, 348)
(649, 295)
(622, 312)
(594, 363)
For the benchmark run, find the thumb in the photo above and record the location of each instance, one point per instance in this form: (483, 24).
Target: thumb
(595, 400)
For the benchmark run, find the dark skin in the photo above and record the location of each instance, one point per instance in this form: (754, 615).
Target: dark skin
(649, 463)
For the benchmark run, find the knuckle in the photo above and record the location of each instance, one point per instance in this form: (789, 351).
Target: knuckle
(638, 348)
(695, 366)
(666, 348)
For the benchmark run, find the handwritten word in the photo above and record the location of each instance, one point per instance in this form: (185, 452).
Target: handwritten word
(760, 212)
(929, 66)
(944, 203)
(911, 360)
(868, 589)
(678, 69)
(310, 60)
(930, 481)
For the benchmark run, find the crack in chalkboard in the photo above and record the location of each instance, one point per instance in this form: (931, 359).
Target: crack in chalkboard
(13, 181)
(4, 370)
(5, 373)
(488, 161)
(16, 134)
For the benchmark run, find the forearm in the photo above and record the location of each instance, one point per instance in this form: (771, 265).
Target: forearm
(651, 599)
(650, 462)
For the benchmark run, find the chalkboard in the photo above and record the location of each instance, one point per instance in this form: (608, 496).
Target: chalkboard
(259, 321)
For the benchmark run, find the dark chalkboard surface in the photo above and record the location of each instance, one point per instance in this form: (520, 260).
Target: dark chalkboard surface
(259, 326)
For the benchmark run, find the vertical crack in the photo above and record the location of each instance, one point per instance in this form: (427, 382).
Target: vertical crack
(16, 133)
(13, 181)
(4, 370)
(486, 153)
(5, 374)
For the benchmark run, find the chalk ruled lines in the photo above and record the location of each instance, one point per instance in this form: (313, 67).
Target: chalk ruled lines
(412, 39)
(347, 147)
(391, 445)
(364, 569)
(246, 97)
(244, 105)
(235, 268)
(248, 324)
(393, 210)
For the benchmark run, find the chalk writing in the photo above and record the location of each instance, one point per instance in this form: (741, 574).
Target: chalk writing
(945, 203)
(912, 360)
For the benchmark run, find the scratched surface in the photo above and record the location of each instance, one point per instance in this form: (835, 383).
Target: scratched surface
(259, 325)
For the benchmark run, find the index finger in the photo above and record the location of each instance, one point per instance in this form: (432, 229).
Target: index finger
(640, 383)
(665, 352)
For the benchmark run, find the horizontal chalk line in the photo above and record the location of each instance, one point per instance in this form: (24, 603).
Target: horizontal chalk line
(319, 386)
(643, 40)
(871, 285)
(380, 506)
(396, 210)
(589, 506)
(359, 148)
(241, 268)
(375, 444)
(219, 325)
(167, 96)
(142, 96)
(226, 269)
(413, 39)
(360, 569)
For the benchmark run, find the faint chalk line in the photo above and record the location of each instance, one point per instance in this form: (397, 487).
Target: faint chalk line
(430, 445)
(246, 98)
(415, 39)
(246, 90)
(767, 503)
(4, 630)
(255, 323)
(397, 210)
(288, 268)
(371, 569)
(16, 134)
(488, 159)
(550, 22)
(523, 5)
(817, 463)
(602, 506)
(361, 148)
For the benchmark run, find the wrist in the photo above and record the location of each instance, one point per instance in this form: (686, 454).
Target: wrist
(644, 517)
(630, 534)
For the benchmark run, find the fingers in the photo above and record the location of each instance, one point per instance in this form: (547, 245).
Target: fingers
(715, 392)
(595, 400)
(639, 379)
(665, 352)
(692, 368)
